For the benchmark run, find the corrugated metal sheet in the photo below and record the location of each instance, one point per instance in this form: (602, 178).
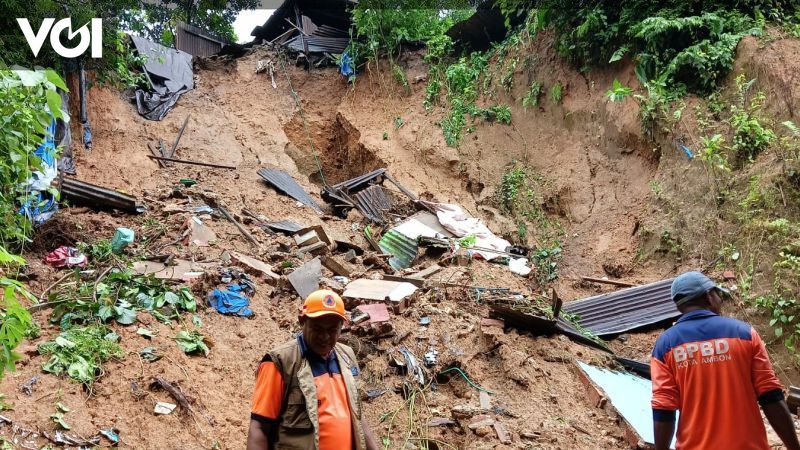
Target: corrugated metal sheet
(359, 182)
(96, 196)
(196, 41)
(321, 13)
(284, 226)
(373, 202)
(403, 248)
(283, 182)
(318, 44)
(626, 309)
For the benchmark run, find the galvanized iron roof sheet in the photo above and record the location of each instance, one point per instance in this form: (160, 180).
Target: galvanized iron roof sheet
(283, 182)
(625, 310)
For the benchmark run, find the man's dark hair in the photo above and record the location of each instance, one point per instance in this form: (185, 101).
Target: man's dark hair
(701, 301)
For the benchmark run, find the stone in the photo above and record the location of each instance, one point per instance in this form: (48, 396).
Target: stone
(483, 431)
(480, 421)
(466, 411)
(485, 401)
(502, 433)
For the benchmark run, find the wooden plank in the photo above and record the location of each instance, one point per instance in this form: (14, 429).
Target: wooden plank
(153, 150)
(425, 273)
(336, 266)
(415, 281)
(604, 281)
(194, 163)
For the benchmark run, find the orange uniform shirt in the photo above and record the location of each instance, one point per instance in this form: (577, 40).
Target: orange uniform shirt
(335, 425)
(714, 370)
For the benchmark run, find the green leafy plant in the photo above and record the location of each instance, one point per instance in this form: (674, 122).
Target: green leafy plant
(507, 79)
(119, 296)
(656, 188)
(16, 322)
(125, 65)
(498, 113)
(26, 96)
(670, 244)
(784, 314)
(58, 416)
(510, 187)
(557, 92)
(545, 262)
(618, 92)
(98, 251)
(713, 153)
(191, 342)
(80, 352)
(750, 135)
(531, 99)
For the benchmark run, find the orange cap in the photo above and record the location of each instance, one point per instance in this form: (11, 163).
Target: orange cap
(323, 302)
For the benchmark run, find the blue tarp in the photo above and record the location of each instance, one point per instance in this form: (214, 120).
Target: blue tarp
(41, 205)
(346, 66)
(231, 301)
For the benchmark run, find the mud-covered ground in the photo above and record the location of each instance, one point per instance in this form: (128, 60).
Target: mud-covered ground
(592, 154)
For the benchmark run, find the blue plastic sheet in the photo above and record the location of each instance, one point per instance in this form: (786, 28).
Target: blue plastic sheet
(41, 205)
(347, 67)
(231, 300)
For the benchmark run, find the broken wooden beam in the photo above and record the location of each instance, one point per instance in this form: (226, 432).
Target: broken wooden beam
(180, 134)
(239, 226)
(153, 150)
(604, 281)
(194, 163)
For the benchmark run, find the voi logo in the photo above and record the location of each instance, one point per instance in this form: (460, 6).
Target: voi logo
(89, 35)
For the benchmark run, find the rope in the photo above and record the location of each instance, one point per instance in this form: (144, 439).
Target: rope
(461, 372)
(299, 106)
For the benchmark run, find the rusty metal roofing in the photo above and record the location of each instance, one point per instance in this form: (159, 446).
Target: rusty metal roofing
(625, 310)
(196, 41)
(373, 203)
(283, 182)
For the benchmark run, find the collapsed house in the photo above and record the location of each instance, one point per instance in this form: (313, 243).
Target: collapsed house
(315, 29)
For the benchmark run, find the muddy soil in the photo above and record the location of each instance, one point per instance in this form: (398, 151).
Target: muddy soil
(592, 153)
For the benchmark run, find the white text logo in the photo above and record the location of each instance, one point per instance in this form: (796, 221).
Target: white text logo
(93, 36)
(707, 348)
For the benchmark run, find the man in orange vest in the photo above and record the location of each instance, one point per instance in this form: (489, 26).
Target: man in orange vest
(714, 370)
(306, 395)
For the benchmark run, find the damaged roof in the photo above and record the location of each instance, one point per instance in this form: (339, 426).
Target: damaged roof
(625, 310)
(325, 24)
(197, 41)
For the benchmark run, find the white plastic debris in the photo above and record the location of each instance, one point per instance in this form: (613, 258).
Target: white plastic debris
(519, 266)
(164, 408)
